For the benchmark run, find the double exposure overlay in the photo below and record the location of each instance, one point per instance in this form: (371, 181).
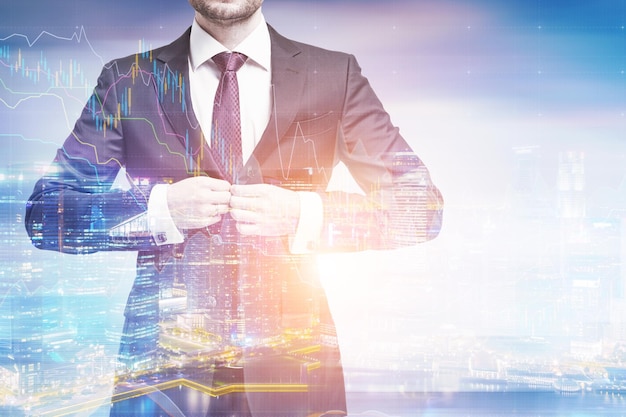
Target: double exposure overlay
(513, 112)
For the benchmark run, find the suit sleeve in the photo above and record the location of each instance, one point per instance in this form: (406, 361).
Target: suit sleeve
(74, 205)
(401, 205)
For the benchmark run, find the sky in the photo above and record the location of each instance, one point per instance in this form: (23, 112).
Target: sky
(467, 82)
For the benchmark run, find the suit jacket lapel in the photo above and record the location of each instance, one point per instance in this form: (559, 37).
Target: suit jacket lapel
(178, 108)
(287, 89)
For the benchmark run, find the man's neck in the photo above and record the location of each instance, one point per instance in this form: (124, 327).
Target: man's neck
(230, 33)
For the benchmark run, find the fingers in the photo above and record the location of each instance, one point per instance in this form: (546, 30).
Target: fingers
(198, 201)
(245, 216)
(246, 203)
(251, 190)
(247, 222)
(258, 209)
(255, 197)
(213, 184)
(213, 193)
(221, 209)
(247, 212)
(219, 199)
(264, 209)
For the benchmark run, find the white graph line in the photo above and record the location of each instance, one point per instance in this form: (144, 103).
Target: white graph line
(78, 37)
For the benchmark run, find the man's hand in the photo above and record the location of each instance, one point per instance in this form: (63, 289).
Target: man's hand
(265, 210)
(198, 202)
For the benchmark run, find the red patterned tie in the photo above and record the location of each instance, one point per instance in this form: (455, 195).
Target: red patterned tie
(226, 128)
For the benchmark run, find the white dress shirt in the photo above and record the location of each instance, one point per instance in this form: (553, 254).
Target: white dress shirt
(254, 79)
(255, 98)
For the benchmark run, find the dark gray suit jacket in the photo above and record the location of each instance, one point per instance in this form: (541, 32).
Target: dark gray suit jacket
(140, 119)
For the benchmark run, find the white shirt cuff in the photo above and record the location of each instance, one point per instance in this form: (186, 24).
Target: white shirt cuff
(309, 225)
(160, 223)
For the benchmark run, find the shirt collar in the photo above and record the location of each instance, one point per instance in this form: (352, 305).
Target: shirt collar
(257, 46)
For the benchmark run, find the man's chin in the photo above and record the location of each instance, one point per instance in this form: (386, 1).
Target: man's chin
(226, 11)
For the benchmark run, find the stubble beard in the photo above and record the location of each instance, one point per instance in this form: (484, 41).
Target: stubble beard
(226, 13)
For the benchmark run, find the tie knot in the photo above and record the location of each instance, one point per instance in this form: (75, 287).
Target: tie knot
(229, 61)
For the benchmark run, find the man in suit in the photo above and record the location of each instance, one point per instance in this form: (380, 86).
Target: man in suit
(238, 239)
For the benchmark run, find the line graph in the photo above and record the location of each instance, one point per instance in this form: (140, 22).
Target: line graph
(78, 37)
(31, 77)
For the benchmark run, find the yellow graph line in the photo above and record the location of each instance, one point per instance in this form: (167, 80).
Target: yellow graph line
(148, 389)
